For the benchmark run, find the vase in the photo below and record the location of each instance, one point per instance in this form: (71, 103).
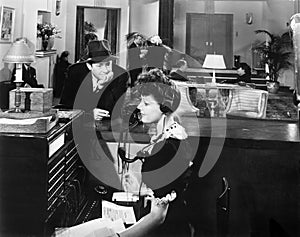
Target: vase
(45, 44)
(50, 43)
(39, 43)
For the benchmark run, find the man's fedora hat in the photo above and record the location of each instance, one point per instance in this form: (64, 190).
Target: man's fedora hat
(99, 50)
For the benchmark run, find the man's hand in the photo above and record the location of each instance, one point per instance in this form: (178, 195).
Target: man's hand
(99, 114)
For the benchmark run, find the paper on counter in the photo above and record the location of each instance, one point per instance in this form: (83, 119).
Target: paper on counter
(115, 212)
(99, 227)
(12, 121)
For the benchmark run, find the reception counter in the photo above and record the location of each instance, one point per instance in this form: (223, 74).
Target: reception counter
(261, 161)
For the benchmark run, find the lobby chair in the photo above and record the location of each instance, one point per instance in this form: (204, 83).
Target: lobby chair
(247, 103)
(222, 207)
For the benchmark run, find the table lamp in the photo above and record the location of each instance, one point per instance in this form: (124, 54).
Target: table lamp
(214, 61)
(18, 53)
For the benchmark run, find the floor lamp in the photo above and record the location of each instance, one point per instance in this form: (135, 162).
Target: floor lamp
(18, 53)
(214, 61)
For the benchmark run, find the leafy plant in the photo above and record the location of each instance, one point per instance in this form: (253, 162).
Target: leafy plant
(276, 52)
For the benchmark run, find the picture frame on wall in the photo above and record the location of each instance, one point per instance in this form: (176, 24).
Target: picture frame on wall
(7, 23)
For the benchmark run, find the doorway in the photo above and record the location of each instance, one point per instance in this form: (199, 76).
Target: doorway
(104, 22)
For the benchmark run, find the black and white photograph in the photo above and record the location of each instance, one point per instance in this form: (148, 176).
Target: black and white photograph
(7, 16)
(150, 118)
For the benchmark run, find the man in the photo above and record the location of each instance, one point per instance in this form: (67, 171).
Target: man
(180, 73)
(97, 85)
(28, 76)
(135, 56)
(244, 73)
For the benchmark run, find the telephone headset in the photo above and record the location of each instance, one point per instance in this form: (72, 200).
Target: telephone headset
(170, 99)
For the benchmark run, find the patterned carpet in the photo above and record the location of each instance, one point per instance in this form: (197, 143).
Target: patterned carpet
(280, 106)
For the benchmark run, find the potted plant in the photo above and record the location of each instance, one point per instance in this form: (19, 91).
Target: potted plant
(276, 54)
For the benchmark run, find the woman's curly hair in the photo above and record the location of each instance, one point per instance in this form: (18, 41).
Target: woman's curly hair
(157, 84)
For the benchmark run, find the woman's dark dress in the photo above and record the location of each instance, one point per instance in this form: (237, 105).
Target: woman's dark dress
(176, 223)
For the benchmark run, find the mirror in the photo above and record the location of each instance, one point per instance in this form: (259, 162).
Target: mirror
(102, 22)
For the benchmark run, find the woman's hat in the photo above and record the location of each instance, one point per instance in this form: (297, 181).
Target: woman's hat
(99, 50)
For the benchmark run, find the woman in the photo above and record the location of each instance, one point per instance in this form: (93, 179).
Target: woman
(60, 73)
(158, 55)
(165, 159)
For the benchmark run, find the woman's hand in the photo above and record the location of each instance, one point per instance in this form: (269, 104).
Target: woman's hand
(159, 207)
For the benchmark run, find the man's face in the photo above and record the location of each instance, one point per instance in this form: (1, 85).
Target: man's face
(138, 40)
(102, 71)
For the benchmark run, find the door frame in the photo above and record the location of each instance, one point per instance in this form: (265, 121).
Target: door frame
(229, 36)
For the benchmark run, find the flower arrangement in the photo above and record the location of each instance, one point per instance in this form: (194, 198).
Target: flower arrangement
(46, 30)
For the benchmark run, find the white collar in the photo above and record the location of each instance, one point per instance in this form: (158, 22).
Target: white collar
(168, 127)
(89, 66)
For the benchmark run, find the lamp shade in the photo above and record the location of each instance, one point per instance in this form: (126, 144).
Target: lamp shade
(19, 52)
(214, 61)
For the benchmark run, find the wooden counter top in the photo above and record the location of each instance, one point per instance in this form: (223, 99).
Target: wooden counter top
(253, 129)
(235, 129)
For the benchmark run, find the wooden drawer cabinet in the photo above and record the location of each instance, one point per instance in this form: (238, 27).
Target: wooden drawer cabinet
(42, 182)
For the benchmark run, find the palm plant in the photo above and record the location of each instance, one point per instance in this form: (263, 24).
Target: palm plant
(276, 52)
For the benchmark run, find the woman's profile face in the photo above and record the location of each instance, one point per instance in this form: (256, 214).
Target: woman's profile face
(150, 109)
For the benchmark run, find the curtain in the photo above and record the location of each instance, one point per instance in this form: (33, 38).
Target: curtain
(80, 33)
(165, 30)
(111, 28)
